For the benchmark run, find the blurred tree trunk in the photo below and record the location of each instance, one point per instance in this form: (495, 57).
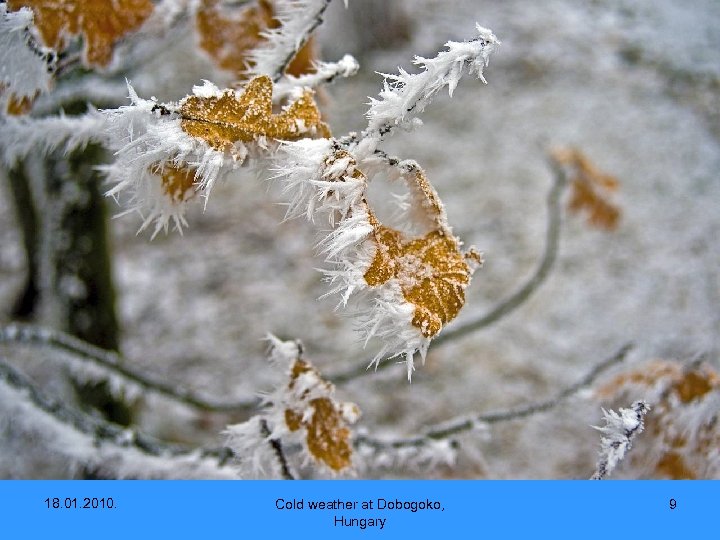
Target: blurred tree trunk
(77, 251)
(26, 304)
(69, 286)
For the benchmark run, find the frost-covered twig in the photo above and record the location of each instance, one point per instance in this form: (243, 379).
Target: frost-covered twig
(619, 431)
(298, 20)
(469, 422)
(405, 96)
(22, 136)
(25, 66)
(112, 363)
(324, 73)
(277, 448)
(102, 432)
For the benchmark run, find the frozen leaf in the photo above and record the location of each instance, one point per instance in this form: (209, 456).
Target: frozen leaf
(325, 420)
(178, 182)
(305, 411)
(247, 116)
(101, 23)
(431, 271)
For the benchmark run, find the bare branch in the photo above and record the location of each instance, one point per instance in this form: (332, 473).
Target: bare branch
(112, 362)
(465, 423)
(549, 256)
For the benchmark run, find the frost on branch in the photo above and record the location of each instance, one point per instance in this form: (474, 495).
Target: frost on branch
(25, 66)
(230, 36)
(618, 434)
(101, 23)
(682, 439)
(303, 410)
(295, 21)
(405, 96)
(415, 275)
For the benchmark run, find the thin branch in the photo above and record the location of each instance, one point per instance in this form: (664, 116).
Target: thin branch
(101, 430)
(460, 425)
(112, 362)
(515, 300)
(276, 445)
(297, 23)
(620, 430)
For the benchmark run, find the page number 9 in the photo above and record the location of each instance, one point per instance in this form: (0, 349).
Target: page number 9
(673, 504)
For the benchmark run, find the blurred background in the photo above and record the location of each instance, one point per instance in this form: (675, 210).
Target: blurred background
(634, 85)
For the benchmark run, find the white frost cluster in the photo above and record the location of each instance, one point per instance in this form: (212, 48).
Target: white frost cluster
(20, 136)
(322, 73)
(405, 96)
(618, 433)
(25, 66)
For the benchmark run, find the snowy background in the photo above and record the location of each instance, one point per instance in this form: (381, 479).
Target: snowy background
(634, 85)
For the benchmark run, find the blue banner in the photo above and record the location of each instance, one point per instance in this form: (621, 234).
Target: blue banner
(350, 509)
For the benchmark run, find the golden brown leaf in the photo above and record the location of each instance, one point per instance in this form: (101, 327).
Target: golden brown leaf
(327, 434)
(178, 182)
(246, 116)
(432, 273)
(101, 23)
(677, 453)
(18, 106)
(590, 188)
(229, 35)
(431, 270)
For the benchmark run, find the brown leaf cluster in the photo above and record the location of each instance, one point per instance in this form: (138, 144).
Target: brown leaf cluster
(247, 116)
(228, 35)
(590, 188)
(328, 437)
(101, 23)
(670, 449)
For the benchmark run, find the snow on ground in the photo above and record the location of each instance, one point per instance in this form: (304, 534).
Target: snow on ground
(636, 88)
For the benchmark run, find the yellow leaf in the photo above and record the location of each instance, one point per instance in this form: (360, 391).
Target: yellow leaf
(247, 116)
(671, 449)
(102, 23)
(178, 182)
(325, 422)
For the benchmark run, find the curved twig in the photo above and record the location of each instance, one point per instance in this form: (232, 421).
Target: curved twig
(459, 425)
(511, 303)
(110, 361)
